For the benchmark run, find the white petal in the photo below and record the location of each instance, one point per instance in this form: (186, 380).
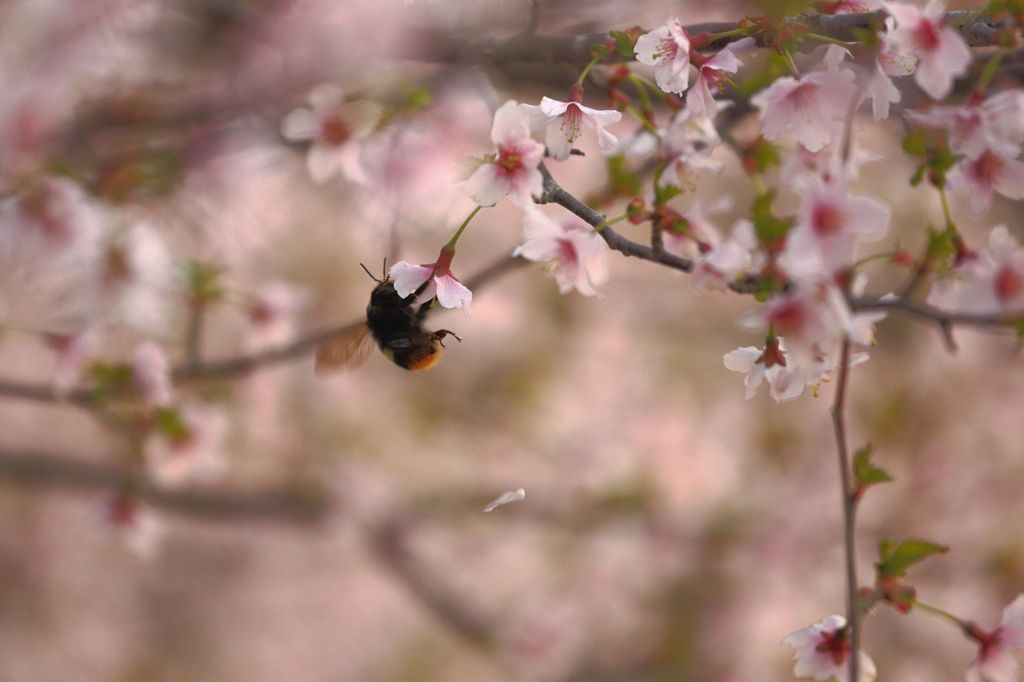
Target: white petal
(408, 277)
(505, 498)
(300, 125)
(485, 187)
(742, 359)
(451, 293)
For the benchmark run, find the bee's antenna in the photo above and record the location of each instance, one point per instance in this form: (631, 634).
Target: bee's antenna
(374, 278)
(384, 270)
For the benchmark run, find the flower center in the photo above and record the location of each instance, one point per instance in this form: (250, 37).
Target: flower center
(509, 160)
(826, 219)
(1009, 283)
(572, 121)
(804, 96)
(790, 318)
(835, 644)
(986, 166)
(926, 36)
(667, 49)
(567, 255)
(334, 131)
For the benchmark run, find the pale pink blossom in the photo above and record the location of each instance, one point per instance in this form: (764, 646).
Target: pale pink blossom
(996, 661)
(335, 128)
(138, 281)
(575, 253)
(124, 516)
(882, 92)
(987, 173)
(807, 108)
(828, 222)
(711, 74)
(996, 122)
(563, 123)
(514, 169)
(71, 357)
(667, 49)
(189, 450)
(272, 313)
(686, 146)
(505, 498)
(941, 53)
(151, 375)
(430, 280)
(814, 319)
(822, 652)
(723, 263)
(993, 282)
(786, 374)
(697, 234)
(766, 365)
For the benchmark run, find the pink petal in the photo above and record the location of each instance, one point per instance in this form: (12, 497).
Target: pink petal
(451, 293)
(407, 277)
(485, 186)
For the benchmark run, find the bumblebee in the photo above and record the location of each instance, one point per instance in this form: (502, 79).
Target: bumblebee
(395, 325)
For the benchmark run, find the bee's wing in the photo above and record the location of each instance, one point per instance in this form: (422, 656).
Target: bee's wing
(346, 351)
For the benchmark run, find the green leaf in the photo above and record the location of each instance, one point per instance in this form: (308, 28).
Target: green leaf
(622, 177)
(769, 229)
(665, 193)
(168, 422)
(761, 156)
(864, 470)
(108, 379)
(896, 559)
(204, 281)
(915, 143)
(624, 43)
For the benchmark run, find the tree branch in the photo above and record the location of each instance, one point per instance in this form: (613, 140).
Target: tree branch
(43, 470)
(849, 502)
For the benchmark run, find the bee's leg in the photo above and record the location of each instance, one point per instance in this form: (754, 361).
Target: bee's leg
(440, 335)
(421, 314)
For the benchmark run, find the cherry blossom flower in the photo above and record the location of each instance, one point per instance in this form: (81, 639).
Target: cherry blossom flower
(828, 222)
(941, 53)
(766, 365)
(711, 74)
(723, 263)
(808, 107)
(996, 122)
(822, 652)
(190, 448)
(686, 146)
(272, 313)
(667, 49)
(71, 355)
(692, 234)
(151, 375)
(575, 253)
(563, 123)
(514, 170)
(989, 172)
(814, 319)
(128, 519)
(335, 128)
(996, 661)
(505, 498)
(430, 280)
(993, 283)
(137, 280)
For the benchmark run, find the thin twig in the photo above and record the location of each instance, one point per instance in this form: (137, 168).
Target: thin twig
(849, 501)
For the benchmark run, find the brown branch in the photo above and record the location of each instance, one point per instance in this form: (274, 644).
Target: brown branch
(554, 193)
(849, 501)
(524, 48)
(43, 470)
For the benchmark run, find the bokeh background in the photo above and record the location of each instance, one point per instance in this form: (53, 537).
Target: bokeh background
(671, 530)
